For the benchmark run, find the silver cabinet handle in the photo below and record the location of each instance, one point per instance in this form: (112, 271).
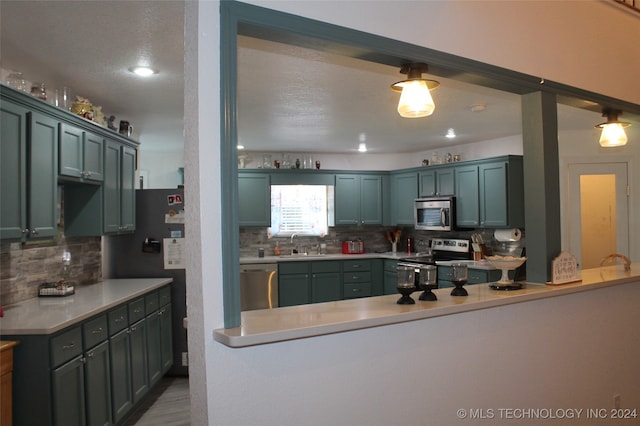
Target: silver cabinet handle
(97, 331)
(69, 346)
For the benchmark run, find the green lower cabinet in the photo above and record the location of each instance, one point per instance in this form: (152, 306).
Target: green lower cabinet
(138, 356)
(69, 393)
(390, 276)
(122, 397)
(325, 281)
(166, 338)
(154, 362)
(362, 278)
(294, 287)
(98, 385)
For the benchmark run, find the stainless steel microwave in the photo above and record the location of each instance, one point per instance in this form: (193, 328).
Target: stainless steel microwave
(434, 213)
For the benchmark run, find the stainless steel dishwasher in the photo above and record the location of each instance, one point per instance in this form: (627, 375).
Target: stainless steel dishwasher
(258, 286)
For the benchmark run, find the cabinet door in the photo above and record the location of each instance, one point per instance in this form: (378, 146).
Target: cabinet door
(371, 200)
(119, 349)
(98, 385)
(166, 337)
(445, 181)
(427, 183)
(139, 372)
(92, 157)
(71, 151)
(154, 348)
(293, 289)
(13, 171)
(325, 287)
(254, 199)
(128, 190)
(43, 172)
(347, 200)
(493, 195)
(68, 394)
(390, 276)
(467, 203)
(111, 187)
(404, 191)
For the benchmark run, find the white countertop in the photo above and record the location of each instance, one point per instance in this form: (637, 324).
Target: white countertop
(46, 315)
(295, 322)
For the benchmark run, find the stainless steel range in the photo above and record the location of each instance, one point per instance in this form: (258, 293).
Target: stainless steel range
(442, 249)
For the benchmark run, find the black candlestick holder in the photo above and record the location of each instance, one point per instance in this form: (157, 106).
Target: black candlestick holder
(406, 291)
(427, 294)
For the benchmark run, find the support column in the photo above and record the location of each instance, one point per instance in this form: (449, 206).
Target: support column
(541, 182)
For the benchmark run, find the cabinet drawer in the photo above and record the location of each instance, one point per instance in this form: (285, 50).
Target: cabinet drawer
(66, 346)
(475, 276)
(356, 265)
(293, 268)
(151, 302)
(325, 266)
(95, 331)
(390, 265)
(352, 291)
(356, 277)
(136, 310)
(118, 320)
(444, 273)
(164, 295)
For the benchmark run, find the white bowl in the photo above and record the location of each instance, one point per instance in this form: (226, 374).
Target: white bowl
(506, 262)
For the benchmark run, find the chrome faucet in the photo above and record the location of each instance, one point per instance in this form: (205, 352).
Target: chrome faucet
(293, 247)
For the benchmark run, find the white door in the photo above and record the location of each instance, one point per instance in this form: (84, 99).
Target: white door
(597, 211)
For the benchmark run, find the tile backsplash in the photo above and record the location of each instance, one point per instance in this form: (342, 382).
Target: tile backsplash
(23, 267)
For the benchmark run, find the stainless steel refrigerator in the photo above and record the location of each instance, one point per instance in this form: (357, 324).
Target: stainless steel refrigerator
(143, 254)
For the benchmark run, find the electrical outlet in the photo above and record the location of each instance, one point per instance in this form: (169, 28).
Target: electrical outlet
(616, 401)
(185, 359)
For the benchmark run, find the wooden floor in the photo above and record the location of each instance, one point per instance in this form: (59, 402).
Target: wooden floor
(167, 405)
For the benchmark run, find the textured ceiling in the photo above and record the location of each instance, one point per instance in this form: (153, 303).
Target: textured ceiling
(289, 99)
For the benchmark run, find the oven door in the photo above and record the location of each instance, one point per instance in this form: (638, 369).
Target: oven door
(434, 214)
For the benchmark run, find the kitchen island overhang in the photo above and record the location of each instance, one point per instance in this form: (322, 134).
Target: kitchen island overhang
(297, 322)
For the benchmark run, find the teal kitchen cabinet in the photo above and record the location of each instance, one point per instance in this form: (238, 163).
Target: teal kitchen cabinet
(404, 191)
(362, 278)
(120, 348)
(80, 154)
(467, 196)
(154, 336)
(436, 182)
(359, 199)
(119, 197)
(490, 194)
(325, 281)
(28, 159)
(294, 286)
(502, 193)
(67, 378)
(254, 199)
(390, 276)
(97, 368)
(166, 336)
(138, 354)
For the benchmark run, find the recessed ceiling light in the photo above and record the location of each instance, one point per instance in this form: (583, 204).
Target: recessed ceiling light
(362, 147)
(240, 147)
(450, 134)
(143, 71)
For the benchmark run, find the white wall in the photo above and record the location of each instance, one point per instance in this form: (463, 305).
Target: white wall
(160, 168)
(560, 353)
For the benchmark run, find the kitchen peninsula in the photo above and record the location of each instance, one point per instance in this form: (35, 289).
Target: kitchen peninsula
(296, 322)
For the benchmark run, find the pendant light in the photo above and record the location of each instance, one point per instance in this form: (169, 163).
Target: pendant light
(612, 130)
(415, 98)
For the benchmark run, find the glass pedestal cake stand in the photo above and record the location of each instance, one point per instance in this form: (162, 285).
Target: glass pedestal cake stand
(506, 264)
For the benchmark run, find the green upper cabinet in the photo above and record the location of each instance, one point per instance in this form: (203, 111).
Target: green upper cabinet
(490, 194)
(359, 199)
(404, 191)
(467, 201)
(119, 201)
(81, 154)
(502, 193)
(13, 170)
(28, 159)
(254, 199)
(437, 182)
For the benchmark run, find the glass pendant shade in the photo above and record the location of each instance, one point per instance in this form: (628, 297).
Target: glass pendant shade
(415, 100)
(613, 134)
(613, 129)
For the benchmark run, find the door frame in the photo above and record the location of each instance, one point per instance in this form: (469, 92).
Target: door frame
(567, 196)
